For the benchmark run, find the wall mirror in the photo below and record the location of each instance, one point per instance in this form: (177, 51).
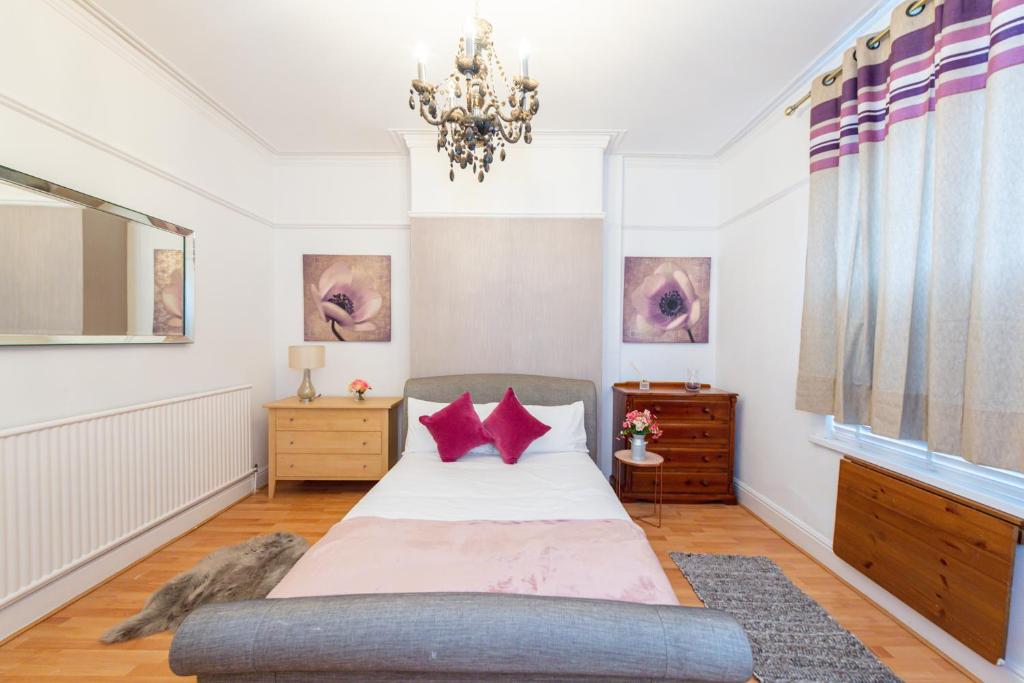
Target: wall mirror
(75, 269)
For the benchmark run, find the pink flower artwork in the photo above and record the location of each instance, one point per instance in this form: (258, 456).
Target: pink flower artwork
(347, 298)
(666, 299)
(168, 291)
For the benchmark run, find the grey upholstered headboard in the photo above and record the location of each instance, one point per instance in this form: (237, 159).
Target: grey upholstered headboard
(487, 388)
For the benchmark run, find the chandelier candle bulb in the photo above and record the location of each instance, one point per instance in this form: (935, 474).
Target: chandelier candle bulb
(421, 62)
(524, 59)
(470, 39)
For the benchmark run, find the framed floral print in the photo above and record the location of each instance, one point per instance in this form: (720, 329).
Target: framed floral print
(666, 299)
(346, 298)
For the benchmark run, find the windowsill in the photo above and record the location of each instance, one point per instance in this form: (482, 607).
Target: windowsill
(968, 486)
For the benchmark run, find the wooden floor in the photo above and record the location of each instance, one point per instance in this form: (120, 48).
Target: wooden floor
(65, 647)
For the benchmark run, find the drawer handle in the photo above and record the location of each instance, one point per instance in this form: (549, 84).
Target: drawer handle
(291, 443)
(706, 458)
(707, 435)
(707, 410)
(656, 408)
(705, 482)
(291, 419)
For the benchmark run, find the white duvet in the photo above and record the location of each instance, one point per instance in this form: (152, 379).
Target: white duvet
(541, 486)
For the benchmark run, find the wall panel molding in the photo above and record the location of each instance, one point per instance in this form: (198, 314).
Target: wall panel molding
(123, 155)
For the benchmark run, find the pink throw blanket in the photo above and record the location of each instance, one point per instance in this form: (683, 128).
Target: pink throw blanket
(606, 558)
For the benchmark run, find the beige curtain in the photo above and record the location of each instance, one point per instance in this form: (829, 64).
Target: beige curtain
(506, 295)
(914, 299)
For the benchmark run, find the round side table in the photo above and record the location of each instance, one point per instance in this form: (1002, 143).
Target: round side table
(625, 459)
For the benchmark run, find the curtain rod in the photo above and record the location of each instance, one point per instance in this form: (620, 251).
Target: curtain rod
(913, 9)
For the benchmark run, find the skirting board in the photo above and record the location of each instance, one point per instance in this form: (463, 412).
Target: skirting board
(33, 606)
(820, 548)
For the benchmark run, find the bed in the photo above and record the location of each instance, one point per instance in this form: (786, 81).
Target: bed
(473, 570)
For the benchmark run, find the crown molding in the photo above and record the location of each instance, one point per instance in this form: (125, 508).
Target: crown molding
(867, 23)
(108, 30)
(420, 138)
(105, 28)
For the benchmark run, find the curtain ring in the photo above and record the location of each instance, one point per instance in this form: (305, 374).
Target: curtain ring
(874, 44)
(828, 80)
(916, 8)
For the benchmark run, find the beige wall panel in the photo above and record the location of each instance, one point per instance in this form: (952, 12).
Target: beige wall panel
(40, 270)
(506, 295)
(105, 273)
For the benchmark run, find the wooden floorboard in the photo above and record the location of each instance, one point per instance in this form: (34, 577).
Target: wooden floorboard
(65, 646)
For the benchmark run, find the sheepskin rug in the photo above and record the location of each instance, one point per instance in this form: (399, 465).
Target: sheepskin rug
(246, 571)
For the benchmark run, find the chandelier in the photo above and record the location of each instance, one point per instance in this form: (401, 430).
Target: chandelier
(474, 122)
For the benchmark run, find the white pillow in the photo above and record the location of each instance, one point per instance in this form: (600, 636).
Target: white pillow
(417, 436)
(567, 433)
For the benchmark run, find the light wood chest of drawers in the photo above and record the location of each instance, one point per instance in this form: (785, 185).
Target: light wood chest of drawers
(697, 442)
(333, 437)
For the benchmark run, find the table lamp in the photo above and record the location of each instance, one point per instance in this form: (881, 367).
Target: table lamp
(306, 358)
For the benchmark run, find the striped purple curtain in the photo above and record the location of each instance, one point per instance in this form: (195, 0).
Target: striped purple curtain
(913, 317)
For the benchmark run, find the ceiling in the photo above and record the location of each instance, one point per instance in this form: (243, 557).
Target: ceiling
(332, 76)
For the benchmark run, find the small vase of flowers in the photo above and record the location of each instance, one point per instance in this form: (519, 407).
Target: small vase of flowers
(637, 427)
(358, 387)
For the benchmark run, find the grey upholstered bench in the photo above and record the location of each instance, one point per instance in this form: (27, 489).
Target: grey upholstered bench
(458, 636)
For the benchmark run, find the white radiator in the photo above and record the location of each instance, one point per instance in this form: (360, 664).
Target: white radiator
(73, 489)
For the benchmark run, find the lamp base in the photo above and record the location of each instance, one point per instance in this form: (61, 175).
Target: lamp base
(306, 392)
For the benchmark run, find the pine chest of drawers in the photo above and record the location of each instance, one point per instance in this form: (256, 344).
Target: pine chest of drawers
(333, 437)
(697, 443)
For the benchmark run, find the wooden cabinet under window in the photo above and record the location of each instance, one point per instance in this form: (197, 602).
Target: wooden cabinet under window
(697, 443)
(947, 557)
(333, 437)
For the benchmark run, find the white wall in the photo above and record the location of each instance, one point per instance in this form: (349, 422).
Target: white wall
(341, 205)
(655, 206)
(781, 475)
(670, 207)
(559, 174)
(341, 191)
(77, 112)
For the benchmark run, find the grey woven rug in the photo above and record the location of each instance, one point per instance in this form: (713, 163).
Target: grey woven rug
(792, 637)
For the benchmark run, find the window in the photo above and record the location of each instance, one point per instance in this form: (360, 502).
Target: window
(996, 488)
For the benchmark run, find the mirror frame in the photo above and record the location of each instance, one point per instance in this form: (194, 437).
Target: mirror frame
(38, 185)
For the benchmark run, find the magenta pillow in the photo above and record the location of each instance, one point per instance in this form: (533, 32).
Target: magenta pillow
(513, 428)
(456, 428)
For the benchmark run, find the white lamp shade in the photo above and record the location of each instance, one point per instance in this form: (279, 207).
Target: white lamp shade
(305, 357)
